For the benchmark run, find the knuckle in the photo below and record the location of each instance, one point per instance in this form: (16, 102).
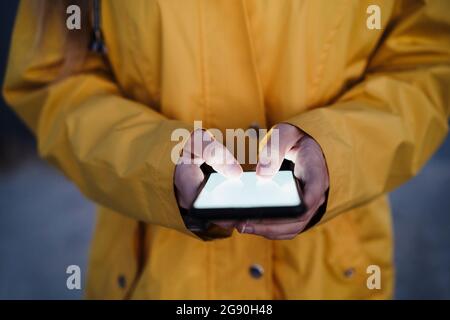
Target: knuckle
(271, 237)
(322, 200)
(268, 231)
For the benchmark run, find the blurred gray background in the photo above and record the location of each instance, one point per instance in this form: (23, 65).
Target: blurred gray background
(46, 225)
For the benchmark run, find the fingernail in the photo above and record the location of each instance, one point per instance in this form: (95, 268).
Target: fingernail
(233, 172)
(267, 172)
(264, 178)
(265, 163)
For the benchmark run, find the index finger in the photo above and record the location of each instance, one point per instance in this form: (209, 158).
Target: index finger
(220, 159)
(279, 141)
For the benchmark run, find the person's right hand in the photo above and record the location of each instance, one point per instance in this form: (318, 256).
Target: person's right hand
(202, 148)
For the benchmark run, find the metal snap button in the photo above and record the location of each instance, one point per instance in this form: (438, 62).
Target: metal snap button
(121, 281)
(256, 271)
(348, 273)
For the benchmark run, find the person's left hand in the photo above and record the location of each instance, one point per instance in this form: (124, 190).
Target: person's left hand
(310, 168)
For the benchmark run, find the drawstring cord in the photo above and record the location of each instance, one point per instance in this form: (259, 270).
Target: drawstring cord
(97, 43)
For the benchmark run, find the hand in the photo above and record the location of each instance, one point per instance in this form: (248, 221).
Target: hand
(310, 168)
(201, 148)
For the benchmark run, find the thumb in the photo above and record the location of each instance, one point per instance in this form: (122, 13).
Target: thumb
(222, 160)
(278, 142)
(203, 148)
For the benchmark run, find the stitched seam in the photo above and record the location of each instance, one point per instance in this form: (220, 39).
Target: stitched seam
(325, 54)
(147, 78)
(254, 62)
(269, 276)
(203, 71)
(205, 111)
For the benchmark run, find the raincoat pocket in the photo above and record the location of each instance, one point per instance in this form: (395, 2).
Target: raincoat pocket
(114, 261)
(346, 259)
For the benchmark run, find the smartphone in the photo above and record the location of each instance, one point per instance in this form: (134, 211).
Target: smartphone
(248, 197)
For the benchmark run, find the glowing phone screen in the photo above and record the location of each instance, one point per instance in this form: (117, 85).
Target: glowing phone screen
(248, 191)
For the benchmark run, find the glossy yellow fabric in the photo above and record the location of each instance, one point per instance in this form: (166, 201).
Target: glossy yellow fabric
(377, 101)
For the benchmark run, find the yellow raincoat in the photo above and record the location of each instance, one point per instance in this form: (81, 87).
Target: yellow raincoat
(377, 101)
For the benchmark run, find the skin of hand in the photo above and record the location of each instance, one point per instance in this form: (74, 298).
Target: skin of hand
(201, 148)
(310, 167)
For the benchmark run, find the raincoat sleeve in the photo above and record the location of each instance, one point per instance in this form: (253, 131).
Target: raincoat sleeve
(381, 132)
(117, 151)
